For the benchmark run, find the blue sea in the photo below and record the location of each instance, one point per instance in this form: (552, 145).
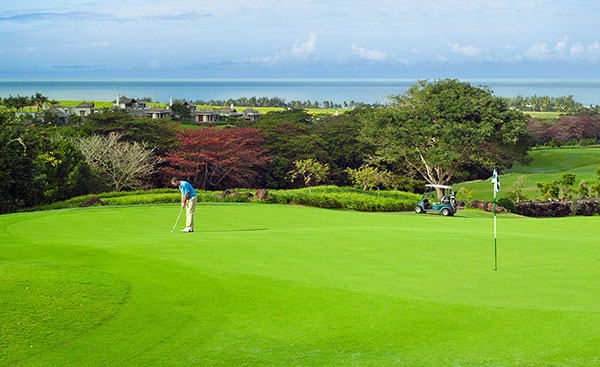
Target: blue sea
(586, 91)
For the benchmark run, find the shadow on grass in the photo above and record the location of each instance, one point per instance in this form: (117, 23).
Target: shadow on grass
(550, 264)
(234, 230)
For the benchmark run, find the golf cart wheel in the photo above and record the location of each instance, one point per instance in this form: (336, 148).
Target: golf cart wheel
(418, 210)
(445, 212)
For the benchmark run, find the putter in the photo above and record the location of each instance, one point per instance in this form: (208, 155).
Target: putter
(177, 221)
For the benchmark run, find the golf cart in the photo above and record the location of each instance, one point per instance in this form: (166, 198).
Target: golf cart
(446, 206)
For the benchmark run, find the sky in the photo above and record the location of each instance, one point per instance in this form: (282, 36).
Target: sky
(184, 39)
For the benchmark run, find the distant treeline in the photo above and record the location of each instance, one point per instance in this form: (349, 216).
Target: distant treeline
(281, 102)
(546, 103)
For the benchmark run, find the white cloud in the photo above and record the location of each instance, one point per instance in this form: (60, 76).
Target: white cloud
(371, 55)
(594, 49)
(300, 50)
(100, 44)
(577, 50)
(466, 50)
(538, 51)
(561, 45)
(154, 63)
(441, 58)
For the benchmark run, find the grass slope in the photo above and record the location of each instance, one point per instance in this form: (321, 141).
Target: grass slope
(547, 165)
(276, 285)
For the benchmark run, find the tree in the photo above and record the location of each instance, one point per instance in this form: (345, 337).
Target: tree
(553, 189)
(121, 164)
(39, 100)
(595, 188)
(344, 145)
(436, 127)
(515, 192)
(63, 171)
(36, 168)
(212, 158)
(311, 171)
(276, 175)
(18, 188)
(154, 133)
(181, 111)
(369, 177)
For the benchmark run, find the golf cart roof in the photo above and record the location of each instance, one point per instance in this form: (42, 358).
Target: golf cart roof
(439, 186)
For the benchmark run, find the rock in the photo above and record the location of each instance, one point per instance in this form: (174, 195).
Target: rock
(485, 206)
(220, 195)
(476, 204)
(234, 194)
(249, 195)
(94, 200)
(587, 207)
(544, 209)
(261, 194)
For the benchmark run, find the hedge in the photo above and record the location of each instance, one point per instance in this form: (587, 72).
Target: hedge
(329, 197)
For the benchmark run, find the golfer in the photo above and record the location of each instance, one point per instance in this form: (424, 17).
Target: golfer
(188, 201)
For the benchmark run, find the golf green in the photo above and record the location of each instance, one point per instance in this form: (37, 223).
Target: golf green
(264, 285)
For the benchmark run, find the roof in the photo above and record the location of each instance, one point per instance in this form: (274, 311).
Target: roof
(157, 109)
(85, 105)
(251, 110)
(123, 99)
(207, 112)
(57, 111)
(439, 186)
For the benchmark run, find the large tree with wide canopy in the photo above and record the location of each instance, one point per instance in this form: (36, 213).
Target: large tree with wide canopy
(437, 127)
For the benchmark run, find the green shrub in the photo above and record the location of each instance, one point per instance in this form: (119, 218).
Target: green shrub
(507, 204)
(329, 197)
(333, 197)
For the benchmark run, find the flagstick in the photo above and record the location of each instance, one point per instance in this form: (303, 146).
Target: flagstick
(495, 247)
(496, 187)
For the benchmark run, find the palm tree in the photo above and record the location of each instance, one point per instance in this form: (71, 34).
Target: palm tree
(39, 99)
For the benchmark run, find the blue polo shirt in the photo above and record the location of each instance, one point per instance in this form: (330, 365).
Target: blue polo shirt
(185, 188)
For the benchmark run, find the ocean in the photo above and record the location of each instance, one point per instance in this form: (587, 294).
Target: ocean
(586, 91)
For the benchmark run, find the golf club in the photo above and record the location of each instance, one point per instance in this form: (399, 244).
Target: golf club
(177, 221)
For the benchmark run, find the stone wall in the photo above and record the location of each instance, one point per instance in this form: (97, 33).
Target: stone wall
(547, 208)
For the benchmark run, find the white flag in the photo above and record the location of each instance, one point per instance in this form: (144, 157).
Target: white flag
(496, 182)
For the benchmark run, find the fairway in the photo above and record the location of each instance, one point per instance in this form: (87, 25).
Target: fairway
(273, 285)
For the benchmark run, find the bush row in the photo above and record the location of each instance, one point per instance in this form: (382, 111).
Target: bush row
(330, 197)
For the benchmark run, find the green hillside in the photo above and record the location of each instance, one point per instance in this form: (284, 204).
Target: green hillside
(546, 165)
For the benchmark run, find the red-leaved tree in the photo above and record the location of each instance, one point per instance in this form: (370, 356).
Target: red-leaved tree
(211, 158)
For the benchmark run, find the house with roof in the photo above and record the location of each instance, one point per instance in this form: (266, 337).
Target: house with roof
(220, 114)
(83, 109)
(125, 103)
(157, 113)
(205, 116)
(251, 114)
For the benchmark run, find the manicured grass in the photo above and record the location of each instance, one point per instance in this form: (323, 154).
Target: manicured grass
(263, 110)
(547, 165)
(97, 104)
(272, 285)
(543, 115)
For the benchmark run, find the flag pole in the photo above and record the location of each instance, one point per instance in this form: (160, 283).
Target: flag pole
(495, 244)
